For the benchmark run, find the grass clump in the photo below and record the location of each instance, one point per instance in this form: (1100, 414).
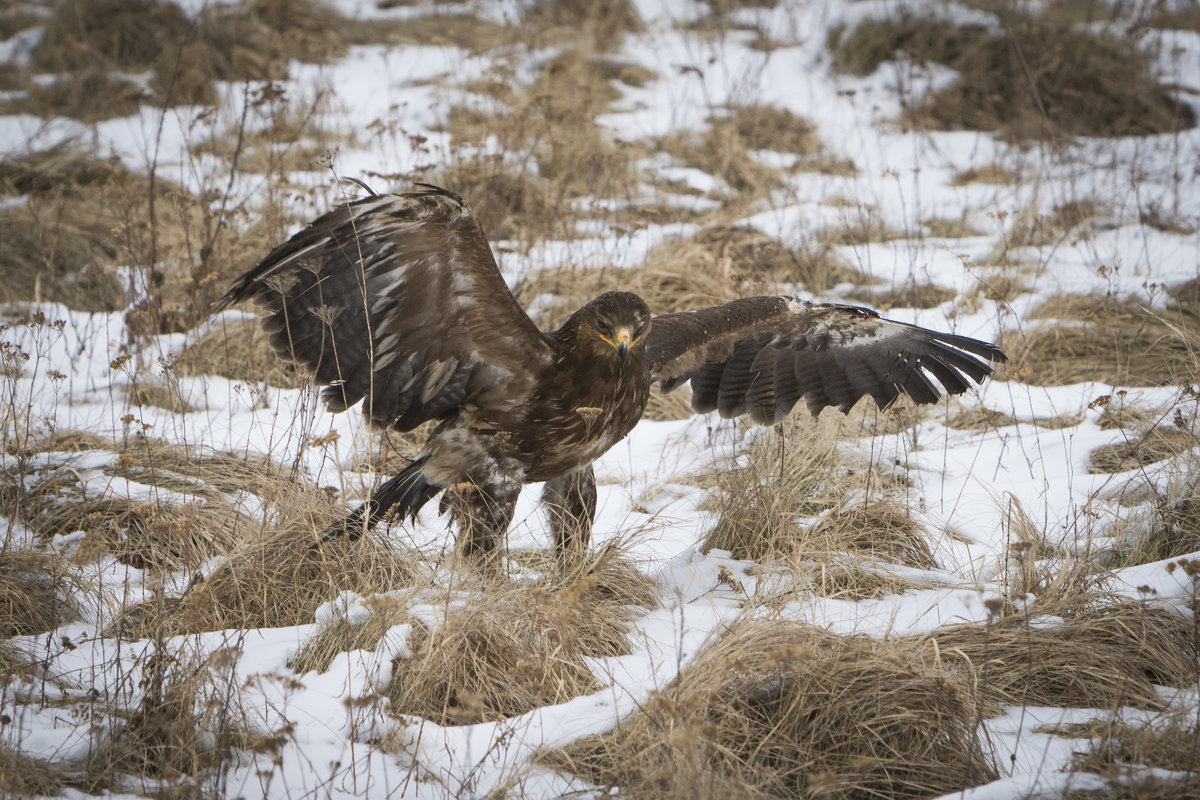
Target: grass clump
(726, 149)
(187, 722)
(487, 651)
(1085, 652)
(718, 264)
(238, 351)
(274, 579)
(605, 22)
(1035, 75)
(24, 776)
(189, 518)
(912, 295)
(1103, 339)
(785, 475)
(34, 593)
(781, 709)
(1124, 753)
(784, 479)
(495, 654)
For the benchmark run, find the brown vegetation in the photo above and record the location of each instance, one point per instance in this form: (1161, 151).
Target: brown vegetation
(1103, 339)
(1035, 75)
(777, 709)
(1104, 652)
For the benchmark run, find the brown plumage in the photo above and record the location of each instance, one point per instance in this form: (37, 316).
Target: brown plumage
(396, 300)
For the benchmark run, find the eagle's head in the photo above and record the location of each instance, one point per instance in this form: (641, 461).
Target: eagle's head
(614, 324)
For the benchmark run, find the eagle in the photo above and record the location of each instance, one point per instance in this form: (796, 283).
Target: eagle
(396, 300)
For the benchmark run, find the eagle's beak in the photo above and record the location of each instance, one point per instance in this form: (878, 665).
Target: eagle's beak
(623, 339)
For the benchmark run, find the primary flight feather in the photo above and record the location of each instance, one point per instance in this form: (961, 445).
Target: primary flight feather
(396, 300)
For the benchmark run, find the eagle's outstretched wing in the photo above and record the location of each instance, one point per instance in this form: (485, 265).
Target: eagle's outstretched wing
(397, 298)
(760, 355)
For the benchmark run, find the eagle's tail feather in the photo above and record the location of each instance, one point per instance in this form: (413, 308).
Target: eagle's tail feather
(406, 493)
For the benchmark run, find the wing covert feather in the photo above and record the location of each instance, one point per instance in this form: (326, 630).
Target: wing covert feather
(760, 355)
(397, 298)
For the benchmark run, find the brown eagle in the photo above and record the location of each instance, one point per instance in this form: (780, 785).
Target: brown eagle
(396, 300)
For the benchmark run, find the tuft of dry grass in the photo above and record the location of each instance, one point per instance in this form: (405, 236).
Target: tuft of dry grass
(494, 655)
(583, 611)
(84, 217)
(913, 295)
(238, 351)
(35, 592)
(981, 418)
(168, 532)
(1103, 339)
(604, 22)
(251, 41)
(187, 722)
(1141, 448)
(91, 95)
(273, 578)
(1124, 752)
(22, 776)
(762, 263)
(792, 472)
(500, 651)
(987, 173)
(784, 479)
(1037, 75)
(718, 264)
(1081, 651)
(860, 225)
(781, 709)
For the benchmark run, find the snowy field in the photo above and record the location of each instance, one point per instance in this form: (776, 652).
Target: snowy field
(1005, 506)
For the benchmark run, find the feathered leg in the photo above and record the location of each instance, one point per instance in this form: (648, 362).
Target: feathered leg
(570, 500)
(482, 516)
(405, 493)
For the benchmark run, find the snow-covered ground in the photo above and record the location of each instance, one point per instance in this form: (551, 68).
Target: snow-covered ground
(963, 481)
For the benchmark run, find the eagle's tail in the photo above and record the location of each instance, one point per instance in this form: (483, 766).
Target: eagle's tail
(405, 493)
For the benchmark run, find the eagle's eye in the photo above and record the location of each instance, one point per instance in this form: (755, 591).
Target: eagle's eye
(604, 328)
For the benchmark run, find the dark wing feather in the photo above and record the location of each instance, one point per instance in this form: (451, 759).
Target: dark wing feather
(760, 355)
(397, 298)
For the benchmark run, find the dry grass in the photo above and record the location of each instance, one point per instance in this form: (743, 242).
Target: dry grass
(494, 655)
(566, 159)
(987, 173)
(1141, 448)
(1103, 339)
(784, 476)
(144, 533)
(860, 225)
(726, 150)
(22, 776)
(189, 721)
(503, 650)
(251, 41)
(1035, 76)
(240, 352)
(914, 295)
(780, 709)
(1169, 525)
(605, 23)
(718, 264)
(782, 480)
(274, 579)
(35, 592)
(1123, 752)
(84, 217)
(90, 95)
(1089, 652)
(982, 418)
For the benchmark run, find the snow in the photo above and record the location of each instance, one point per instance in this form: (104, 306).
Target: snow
(963, 483)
